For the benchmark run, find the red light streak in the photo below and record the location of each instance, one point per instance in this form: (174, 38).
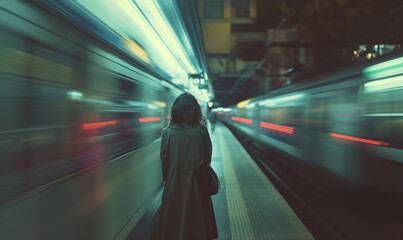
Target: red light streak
(245, 120)
(88, 126)
(277, 127)
(219, 112)
(149, 119)
(235, 118)
(359, 139)
(168, 117)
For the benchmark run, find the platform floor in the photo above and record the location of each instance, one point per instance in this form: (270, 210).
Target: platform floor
(247, 205)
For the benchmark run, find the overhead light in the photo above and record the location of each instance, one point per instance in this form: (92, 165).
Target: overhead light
(210, 104)
(385, 69)
(137, 50)
(288, 98)
(243, 103)
(273, 101)
(384, 84)
(164, 30)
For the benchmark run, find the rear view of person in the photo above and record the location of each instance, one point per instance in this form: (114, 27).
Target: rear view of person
(185, 212)
(213, 119)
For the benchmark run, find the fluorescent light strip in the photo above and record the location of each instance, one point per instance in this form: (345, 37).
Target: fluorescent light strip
(245, 120)
(356, 139)
(149, 119)
(88, 126)
(273, 101)
(389, 83)
(277, 127)
(158, 22)
(385, 69)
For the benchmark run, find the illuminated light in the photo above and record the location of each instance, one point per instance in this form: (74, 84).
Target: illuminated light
(384, 115)
(390, 83)
(219, 112)
(277, 127)
(151, 106)
(149, 119)
(245, 120)
(359, 139)
(205, 94)
(274, 101)
(136, 50)
(125, 18)
(369, 55)
(145, 22)
(176, 81)
(202, 81)
(288, 98)
(251, 105)
(168, 117)
(210, 104)
(268, 103)
(75, 95)
(345, 115)
(196, 81)
(235, 118)
(88, 126)
(355, 52)
(164, 30)
(385, 69)
(160, 104)
(243, 103)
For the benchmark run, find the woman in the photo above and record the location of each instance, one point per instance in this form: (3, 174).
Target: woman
(186, 214)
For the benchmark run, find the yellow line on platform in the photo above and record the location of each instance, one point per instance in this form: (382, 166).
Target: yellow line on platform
(240, 224)
(298, 226)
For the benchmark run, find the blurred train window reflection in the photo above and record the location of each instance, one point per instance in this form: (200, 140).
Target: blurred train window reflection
(65, 110)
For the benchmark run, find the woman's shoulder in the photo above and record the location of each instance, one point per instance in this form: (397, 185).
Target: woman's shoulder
(200, 127)
(184, 127)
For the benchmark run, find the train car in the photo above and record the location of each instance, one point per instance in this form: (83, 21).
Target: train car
(79, 129)
(343, 129)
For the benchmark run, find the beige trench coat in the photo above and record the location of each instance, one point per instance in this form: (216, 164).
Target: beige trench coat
(186, 214)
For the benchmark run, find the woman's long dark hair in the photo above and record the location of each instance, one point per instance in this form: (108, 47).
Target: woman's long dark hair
(186, 110)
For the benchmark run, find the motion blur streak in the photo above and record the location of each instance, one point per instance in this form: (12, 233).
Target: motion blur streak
(88, 126)
(150, 119)
(277, 127)
(245, 120)
(385, 69)
(389, 83)
(235, 118)
(359, 139)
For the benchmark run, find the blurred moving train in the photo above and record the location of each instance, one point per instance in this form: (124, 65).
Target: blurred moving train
(344, 129)
(79, 129)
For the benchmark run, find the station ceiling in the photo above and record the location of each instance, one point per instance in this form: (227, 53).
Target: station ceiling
(329, 27)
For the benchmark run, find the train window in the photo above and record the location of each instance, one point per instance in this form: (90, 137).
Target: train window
(282, 116)
(315, 114)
